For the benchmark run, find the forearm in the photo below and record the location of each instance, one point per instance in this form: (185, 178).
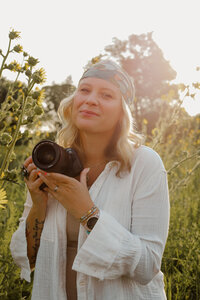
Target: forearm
(34, 227)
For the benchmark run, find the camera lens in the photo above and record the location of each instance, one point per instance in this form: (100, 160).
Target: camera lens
(46, 155)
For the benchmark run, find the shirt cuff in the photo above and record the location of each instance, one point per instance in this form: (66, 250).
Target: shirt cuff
(110, 250)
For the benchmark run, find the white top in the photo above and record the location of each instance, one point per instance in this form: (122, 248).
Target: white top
(121, 257)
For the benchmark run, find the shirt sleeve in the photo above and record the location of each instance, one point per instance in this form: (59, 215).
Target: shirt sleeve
(112, 251)
(18, 245)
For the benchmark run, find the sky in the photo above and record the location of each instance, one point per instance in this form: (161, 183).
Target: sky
(65, 34)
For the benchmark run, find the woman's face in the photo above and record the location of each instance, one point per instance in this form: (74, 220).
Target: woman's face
(96, 106)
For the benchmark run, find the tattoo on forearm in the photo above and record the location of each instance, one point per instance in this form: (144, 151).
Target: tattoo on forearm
(37, 229)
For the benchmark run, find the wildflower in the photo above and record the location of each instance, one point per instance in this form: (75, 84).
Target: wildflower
(154, 131)
(10, 98)
(95, 59)
(18, 48)
(25, 54)
(38, 133)
(14, 66)
(32, 61)
(38, 110)
(9, 67)
(17, 84)
(2, 175)
(14, 34)
(28, 73)
(26, 134)
(39, 76)
(30, 119)
(5, 138)
(26, 66)
(3, 199)
(39, 96)
(36, 94)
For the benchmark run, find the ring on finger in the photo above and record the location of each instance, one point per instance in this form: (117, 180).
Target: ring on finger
(25, 172)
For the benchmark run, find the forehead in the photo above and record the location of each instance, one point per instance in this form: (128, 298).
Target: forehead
(99, 83)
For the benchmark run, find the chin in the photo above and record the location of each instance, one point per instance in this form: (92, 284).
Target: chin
(86, 126)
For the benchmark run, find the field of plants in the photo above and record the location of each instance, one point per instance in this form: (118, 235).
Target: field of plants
(160, 117)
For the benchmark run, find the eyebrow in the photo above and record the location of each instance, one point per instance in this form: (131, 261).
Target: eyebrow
(101, 88)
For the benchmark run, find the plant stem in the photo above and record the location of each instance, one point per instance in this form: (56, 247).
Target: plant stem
(5, 57)
(6, 160)
(180, 162)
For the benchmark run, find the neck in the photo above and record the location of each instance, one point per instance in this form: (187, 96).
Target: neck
(94, 146)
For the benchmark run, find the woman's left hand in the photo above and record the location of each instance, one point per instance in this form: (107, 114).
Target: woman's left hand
(70, 192)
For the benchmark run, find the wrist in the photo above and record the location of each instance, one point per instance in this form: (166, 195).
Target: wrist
(89, 220)
(39, 210)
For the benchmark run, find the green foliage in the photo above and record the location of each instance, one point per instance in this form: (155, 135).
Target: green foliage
(19, 103)
(11, 286)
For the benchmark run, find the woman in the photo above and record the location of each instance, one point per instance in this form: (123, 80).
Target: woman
(116, 213)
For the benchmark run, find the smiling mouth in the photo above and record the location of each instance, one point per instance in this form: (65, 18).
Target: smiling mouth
(88, 113)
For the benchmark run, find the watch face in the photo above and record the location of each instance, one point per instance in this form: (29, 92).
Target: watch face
(91, 222)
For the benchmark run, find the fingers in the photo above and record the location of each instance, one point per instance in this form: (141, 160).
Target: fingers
(59, 178)
(46, 180)
(28, 161)
(33, 185)
(83, 176)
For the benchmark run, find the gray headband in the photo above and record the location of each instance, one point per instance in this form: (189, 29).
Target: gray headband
(108, 70)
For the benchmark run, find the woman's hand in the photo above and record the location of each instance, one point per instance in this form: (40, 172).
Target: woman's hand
(70, 192)
(33, 182)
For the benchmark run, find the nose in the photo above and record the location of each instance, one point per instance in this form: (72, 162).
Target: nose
(91, 98)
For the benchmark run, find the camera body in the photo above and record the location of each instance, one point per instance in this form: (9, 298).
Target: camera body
(50, 157)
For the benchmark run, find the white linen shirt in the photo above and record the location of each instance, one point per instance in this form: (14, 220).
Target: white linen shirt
(121, 258)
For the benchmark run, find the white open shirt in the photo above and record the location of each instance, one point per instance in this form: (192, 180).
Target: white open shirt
(121, 258)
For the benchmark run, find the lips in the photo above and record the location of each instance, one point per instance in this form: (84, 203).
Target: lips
(88, 112)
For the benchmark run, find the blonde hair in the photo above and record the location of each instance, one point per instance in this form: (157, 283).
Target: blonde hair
(122, 143)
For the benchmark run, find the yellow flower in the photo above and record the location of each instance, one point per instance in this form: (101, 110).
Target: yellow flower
(2, 175)
(14, 66)
(39, 76)
(3, 199)
(95, 60)
(38, 133)
(18, 48)
(32, 61)
(14, 34)
(145, 122)
(154, 131)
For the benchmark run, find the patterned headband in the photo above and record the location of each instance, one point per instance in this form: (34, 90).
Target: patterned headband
(108, 70)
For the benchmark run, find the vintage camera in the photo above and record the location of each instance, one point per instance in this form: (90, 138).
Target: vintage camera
(50, 157)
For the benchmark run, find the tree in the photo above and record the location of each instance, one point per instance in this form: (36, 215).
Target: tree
(143, 60)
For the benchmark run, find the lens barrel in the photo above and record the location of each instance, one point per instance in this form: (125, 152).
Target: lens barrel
(50, 157)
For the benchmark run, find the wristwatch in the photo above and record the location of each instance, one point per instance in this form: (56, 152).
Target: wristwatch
(92, 221)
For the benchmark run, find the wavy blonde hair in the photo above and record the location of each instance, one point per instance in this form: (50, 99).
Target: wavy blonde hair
(122, 143)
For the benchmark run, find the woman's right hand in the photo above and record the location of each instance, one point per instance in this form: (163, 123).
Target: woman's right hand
(33, 182)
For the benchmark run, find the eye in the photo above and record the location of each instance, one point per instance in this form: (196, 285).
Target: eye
(84, 90)
(107, 96)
